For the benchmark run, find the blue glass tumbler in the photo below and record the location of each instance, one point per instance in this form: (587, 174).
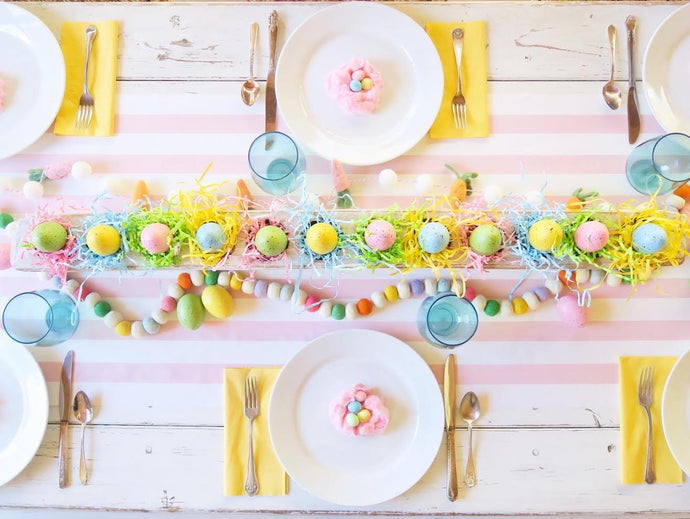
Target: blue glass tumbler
(276, 162)
(659, 165)
(447, 320)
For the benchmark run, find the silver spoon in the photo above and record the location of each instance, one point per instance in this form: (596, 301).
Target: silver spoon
(84, 414)
(250, 88)
(612, 94)
(470, 411)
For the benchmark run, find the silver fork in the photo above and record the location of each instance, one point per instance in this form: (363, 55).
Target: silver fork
(645, 395)
(251, 411)
(85, 110)
(458, 103)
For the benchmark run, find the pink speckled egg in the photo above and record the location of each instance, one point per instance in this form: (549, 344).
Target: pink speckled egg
(571, 313)
(154, 238)
(380, 235)
(591, 236)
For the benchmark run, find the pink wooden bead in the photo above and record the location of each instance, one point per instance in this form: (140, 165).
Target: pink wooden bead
(312, 303)
(168, 304)
(81, 292)
(470, 293)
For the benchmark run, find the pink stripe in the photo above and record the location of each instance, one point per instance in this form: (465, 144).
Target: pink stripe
(189, 123)
(468, 374)
(560, 124)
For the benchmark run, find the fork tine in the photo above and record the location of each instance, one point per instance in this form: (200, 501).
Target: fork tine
(246, 392)
(464, 116)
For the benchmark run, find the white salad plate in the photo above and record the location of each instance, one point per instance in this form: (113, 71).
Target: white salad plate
(395, 45)
(23, 409)
(33, 71)
(675, 411)
(666, 72)
(361, 470)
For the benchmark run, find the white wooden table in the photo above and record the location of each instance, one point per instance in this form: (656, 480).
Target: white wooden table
(548, 442)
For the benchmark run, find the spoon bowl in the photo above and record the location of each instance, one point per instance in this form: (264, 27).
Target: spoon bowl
(469, 412)
(83, 412)
(612, 94)
(250, 88)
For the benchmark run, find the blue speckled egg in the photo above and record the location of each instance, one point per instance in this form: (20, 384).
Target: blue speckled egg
(433, 237)
(210, 237)
(354, 406)
(649, 238)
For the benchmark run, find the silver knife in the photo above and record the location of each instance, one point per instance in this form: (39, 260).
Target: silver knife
(449, 406)
(633, 112)
(64, 403)
(271, 78)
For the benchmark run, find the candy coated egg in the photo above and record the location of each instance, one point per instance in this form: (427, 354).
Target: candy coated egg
(486, 239)
(433, 237)
(210, 237)
(270, 240)
(364, 415)
(591, 236)
(154, 237)
(190, 311)
(359, 75)
(367, 83)
(217, 301)
(360, 396)
(355, 85)
(380, 235)
(354, 406)
(545, 235)
(352, 419)
(321, 238)
(649, 238)
(49, 236)
(103, 240)
(570, 312)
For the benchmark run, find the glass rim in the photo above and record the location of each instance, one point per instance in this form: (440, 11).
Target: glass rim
(294, 165)
(654, 163)
(438, 298)
(50, 314)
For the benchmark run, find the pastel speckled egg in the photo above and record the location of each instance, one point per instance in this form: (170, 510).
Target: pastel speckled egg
(649, 238)
(433, 237)
(486, 239)
(154, 238)
(545, 235)
(570, 312)
(190, 311)
(49, 236)
(217, 301)
(321, 238)
(591, 236)
(270, 240)
(103, 240)
(380, 235)
(210, 237)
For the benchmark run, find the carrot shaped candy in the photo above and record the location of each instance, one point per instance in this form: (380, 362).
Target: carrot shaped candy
(243, 193)
(578, 199)
(342, 185)
(140, 195)
(461, 187)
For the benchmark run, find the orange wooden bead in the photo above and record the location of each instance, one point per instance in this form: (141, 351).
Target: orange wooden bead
(683, 191)
(185, 281)
(365, 306)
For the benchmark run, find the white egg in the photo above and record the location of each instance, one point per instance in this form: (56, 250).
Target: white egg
(388, 178)
(81, 170)
(492, 194)
(33, 189)
(534, 197)
(422, 184)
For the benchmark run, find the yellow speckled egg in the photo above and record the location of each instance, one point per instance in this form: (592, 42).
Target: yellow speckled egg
(217, 301)
(321, 238)
(545, 235)
(103, 240)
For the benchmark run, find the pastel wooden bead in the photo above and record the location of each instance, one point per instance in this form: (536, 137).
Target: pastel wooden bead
(470, 293)
(444, 285)
(479, 303)
(403, 290)
(430, 287)
(378, 299)
(301, 297)
(326, 308)
(506, 308)
(198, 278)
(492, 307)
(175, 291)
(137, 330)
(112, 318)
(81, 292)
(168, 304)
(224, 278)
(390, 293)
(613, 280)
(365, 306)
(159, 316)
(70, 286)
(248, 286)
(596, 276)
(101, 308)
(261, 288)
(417, 287)
(674, 201)
(273, 291)
(211, 277)
(151, 325)
(92, 299)
(123, 328)
(531, 299)
(542, 293)
(312, 303)
(185, 281)
(351, 312)
(554, 286)
(582, 276)
(236, 281)
(286, 292)
(338, 311)
(520, 306)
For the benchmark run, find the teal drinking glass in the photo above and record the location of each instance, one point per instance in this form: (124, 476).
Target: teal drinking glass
(447, 320)
(276, 162)
(659, 165)
(40, 318)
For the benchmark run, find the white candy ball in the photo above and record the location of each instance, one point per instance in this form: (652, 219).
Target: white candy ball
(582, 276)
(430, 287)
(534, 197)
(159, 316)
(479, 303)
(81, 170)
(492, 194)
(224, 278)
(175, 291)
(351, 312)
(388, 178)
(70, 287)
(531, 299)
(422, 184)
(248, 286)
(506, 308)
(404, 291)
(11, 228)
(613, 280)
(273, 291)
(115, 185)
(301, 297)
(378, 299)
(198, 278)
(33, 189)
(326, 308)
(138, 330)
(596, 276)
(112, 318)
(92, 299)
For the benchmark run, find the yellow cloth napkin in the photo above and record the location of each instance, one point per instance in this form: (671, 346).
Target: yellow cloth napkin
(270, 473)
(101, 80)
(634, 422)
(474, 78)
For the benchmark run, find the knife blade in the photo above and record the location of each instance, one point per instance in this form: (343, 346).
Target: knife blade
(633, 112)
(449, 408)
(271, 78)
(65, 398)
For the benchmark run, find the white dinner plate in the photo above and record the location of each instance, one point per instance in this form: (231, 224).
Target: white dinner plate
(675, 411)
(33, 70)
(396, 46)
(356, 471)
(666, 72)
(23, 409)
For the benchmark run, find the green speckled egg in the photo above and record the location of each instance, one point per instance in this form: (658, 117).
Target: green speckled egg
(49, 236)
(190, 311)
(270, 240)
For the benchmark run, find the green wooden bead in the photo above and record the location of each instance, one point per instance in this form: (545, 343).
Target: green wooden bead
(5, 219)
(492, 307)
(338, 312)
(102, 308)
(211, 277)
